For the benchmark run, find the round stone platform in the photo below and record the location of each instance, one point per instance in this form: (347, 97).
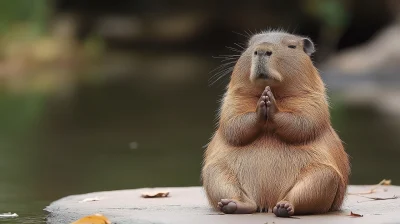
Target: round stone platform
(189, 205)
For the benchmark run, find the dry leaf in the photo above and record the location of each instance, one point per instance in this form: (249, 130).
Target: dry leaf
(355, 214)
(8, 215)
(155, 194)
(362, 193)
(381, 198)
(384, 182)
(90, 199)
(93, 219)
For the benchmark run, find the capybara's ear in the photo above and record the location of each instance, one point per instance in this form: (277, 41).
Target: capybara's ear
(308, 46)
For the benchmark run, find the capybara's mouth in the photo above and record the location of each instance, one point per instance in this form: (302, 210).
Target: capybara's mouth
(263, 75)
(260, 71)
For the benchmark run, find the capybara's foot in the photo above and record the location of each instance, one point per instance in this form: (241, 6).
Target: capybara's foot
(283, 209)
(230, 206)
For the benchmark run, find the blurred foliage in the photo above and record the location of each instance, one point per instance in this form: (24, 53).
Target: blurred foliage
(333, 13)
(36, 57)
(34, 11)
(334, 19)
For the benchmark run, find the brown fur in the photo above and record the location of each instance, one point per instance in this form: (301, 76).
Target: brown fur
(295, 155)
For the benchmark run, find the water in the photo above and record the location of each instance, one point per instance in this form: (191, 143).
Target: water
(110, 137)
(136, 134)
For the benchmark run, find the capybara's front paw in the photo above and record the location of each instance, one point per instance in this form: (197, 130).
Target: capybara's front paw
(283, 209)
(270, 102)
(262, 109)
(266, 106)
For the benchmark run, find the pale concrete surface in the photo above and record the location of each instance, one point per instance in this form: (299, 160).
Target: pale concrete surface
(189, 205)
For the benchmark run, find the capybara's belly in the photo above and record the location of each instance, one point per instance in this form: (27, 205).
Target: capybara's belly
(267, 174)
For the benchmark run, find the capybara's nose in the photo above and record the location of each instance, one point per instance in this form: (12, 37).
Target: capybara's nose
(262, 53)
(263, 49)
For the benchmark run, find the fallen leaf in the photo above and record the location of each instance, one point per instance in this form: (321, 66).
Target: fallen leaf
(8, 215)
(93, 219)
(355, 214)
(90, 199)
(155, 194)
(384, 182)
(362, 193)
(381, 198)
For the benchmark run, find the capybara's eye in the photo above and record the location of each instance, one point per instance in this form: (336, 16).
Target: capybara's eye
(292, 46)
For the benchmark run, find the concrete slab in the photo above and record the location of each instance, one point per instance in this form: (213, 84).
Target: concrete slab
(189, 205)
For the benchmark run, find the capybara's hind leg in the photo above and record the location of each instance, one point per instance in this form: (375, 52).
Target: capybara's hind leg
(224, 193)
(313, 193)
(234, 206)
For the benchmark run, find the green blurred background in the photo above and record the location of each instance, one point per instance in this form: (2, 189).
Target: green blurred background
(115, 95)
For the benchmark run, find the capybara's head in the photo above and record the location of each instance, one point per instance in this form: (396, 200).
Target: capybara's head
(274, 58)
